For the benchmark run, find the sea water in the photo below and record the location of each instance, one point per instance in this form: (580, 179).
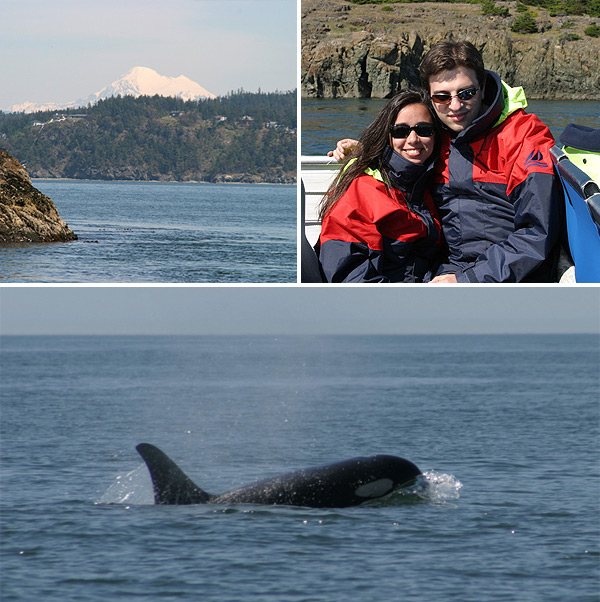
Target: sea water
(505, 428)
(162, 233)
(325, 121)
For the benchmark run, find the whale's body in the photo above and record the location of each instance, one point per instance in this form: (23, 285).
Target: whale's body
(338, 485)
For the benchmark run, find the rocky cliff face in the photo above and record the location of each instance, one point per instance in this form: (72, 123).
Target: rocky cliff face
(26, 215)
(361, 51)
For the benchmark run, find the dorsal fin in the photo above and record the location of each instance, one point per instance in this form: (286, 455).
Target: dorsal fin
(171, 485)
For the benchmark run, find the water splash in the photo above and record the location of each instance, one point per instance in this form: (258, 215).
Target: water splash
(431, 486)
(438, 487)
(134, 487)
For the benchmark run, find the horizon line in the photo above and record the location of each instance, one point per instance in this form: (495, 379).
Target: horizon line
(294, 334)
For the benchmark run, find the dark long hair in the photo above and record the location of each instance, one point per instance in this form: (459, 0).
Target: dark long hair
(372, 143)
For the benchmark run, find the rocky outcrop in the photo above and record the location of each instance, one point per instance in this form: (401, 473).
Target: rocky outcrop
(26, 215)
(361, 51)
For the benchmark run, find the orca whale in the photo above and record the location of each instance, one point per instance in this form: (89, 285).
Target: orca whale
(347, 483)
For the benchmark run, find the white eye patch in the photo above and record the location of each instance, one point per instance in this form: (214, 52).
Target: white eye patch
(375, 489)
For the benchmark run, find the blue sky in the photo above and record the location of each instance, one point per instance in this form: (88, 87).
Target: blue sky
(62, 50)
(298, 310)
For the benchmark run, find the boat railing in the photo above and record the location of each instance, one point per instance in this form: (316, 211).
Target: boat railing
(317, 173)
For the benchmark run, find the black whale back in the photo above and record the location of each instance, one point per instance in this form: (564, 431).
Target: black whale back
(338, 485)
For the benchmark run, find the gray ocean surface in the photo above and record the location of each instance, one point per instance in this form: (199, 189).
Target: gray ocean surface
(325, 121)
(162, 233)
(505, 428)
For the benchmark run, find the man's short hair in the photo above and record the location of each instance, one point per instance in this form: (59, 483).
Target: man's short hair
(447, 55)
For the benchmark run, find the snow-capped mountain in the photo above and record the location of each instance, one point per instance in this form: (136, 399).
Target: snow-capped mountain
(139, 81)
(142, 81)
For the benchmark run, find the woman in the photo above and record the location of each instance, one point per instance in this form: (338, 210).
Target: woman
(379, 223)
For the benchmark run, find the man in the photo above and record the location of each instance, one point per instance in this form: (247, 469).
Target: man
(494, 182)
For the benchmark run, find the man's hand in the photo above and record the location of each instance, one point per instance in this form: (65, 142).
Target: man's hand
(444, 278)
(343, 149)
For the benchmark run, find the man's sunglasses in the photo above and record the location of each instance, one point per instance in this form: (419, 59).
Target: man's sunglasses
(445, 99)
(401, 130)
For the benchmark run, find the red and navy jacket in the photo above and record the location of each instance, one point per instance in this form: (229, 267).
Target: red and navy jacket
(496, 193)
(379, 234)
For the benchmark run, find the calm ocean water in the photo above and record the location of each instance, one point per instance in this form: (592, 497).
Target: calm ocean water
(163, 232)
(506, 430)
(325, 121)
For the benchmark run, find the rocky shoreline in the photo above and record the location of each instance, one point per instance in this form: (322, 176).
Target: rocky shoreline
(27, 215)
(373, 50)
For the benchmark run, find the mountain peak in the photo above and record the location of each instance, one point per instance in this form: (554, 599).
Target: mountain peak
(138, 81)
(140, 70)
(143, 81)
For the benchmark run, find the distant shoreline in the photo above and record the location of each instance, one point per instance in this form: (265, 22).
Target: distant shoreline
(161, 182)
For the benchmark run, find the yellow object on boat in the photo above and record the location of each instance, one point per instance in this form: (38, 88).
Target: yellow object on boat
(587, 161)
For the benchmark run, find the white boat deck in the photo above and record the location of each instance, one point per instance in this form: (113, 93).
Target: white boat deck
(317, 173)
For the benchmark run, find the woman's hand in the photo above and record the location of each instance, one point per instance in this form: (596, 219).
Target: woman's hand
(343, 149)
(444, 278)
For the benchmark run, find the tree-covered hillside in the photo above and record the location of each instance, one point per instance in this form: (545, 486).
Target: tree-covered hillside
(244, 136)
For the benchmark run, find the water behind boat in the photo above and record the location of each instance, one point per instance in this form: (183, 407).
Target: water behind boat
(163, 232)
(325, 121)
(506, 430)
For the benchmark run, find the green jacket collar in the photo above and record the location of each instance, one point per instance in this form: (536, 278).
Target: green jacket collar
(514, 99)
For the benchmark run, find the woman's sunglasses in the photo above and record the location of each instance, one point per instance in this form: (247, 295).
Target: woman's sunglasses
(401, 130)
(445, 99)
